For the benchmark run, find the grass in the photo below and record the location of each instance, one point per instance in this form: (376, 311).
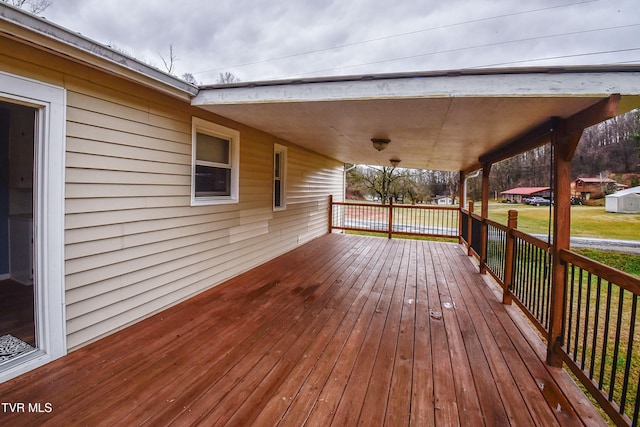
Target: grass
(625, 262)
(586, 221)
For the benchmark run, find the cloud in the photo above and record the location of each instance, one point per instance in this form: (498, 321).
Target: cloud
(259, 40)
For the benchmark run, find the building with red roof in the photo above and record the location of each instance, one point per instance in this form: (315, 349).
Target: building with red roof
(592, 188)
(516, 195)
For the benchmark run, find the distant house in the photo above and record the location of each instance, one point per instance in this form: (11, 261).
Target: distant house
(624, 201)
(592, 188)
(517, 194)
(443, 200)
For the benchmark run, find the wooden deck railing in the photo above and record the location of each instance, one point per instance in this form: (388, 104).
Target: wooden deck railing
(531, 281)
(601, 335)
(392, 219)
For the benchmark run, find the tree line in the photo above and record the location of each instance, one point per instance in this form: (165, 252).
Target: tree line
(609, 149)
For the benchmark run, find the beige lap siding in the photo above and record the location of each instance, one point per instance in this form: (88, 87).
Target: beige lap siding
(134, 245)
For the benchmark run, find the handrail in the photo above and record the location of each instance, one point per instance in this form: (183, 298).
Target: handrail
(423, 207)
(605, 272)
(393, 219)
(476, 216)
(531, 240)
(496, 225)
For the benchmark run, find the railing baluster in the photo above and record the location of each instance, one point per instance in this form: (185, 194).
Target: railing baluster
(533, 278)
(537, 285)
(596, 318)
(616, 348)
(530, 273)
(636, 411)
(542, 274)
(522, 270)
(522, 266)
(629, 355)
(575, 344)
(586, 322)
(570, 313)
(605, 342)
(546, 290)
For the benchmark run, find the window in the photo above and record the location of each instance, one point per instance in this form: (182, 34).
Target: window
(279, 177)
(215, 163)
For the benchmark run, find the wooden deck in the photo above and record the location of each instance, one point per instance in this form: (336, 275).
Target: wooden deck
(345, 330)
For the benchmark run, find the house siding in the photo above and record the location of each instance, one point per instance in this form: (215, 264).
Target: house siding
(133, 243)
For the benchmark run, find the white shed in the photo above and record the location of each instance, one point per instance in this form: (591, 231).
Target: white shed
(625, 201)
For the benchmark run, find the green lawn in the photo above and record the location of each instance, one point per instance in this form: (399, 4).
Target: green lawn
(586, 221)
(624, 262)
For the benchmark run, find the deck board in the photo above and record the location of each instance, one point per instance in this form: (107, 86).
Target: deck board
(344, 330)
(456, 316)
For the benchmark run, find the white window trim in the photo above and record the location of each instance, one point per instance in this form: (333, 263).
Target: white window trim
(277, 148)
(50, 102)
(213, 129)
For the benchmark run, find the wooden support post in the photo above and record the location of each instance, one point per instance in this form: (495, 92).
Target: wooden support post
(564, 139)
(563, 145)
(461, 198)
(509, 259)
(390, 216)
(330, 213)
(470, 229)
(486, 170)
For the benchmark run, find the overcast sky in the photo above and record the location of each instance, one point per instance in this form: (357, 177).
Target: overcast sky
(265, 40)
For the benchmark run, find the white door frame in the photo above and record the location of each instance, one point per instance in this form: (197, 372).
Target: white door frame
(49, 164)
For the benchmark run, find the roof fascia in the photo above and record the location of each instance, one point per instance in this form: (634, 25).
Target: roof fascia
(526, 83)
(28, 28)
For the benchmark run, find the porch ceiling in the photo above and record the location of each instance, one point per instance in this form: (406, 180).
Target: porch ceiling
(438, 120)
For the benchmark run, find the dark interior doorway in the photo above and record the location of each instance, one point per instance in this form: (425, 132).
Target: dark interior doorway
(17, 296)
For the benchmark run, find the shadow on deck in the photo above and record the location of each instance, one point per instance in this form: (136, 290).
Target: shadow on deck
(343, 330)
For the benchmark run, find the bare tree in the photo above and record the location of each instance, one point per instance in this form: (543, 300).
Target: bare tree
(610, 146)
(383, 182)
(170, 62)
(33, 6)
(188, 77)
(227, 77)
